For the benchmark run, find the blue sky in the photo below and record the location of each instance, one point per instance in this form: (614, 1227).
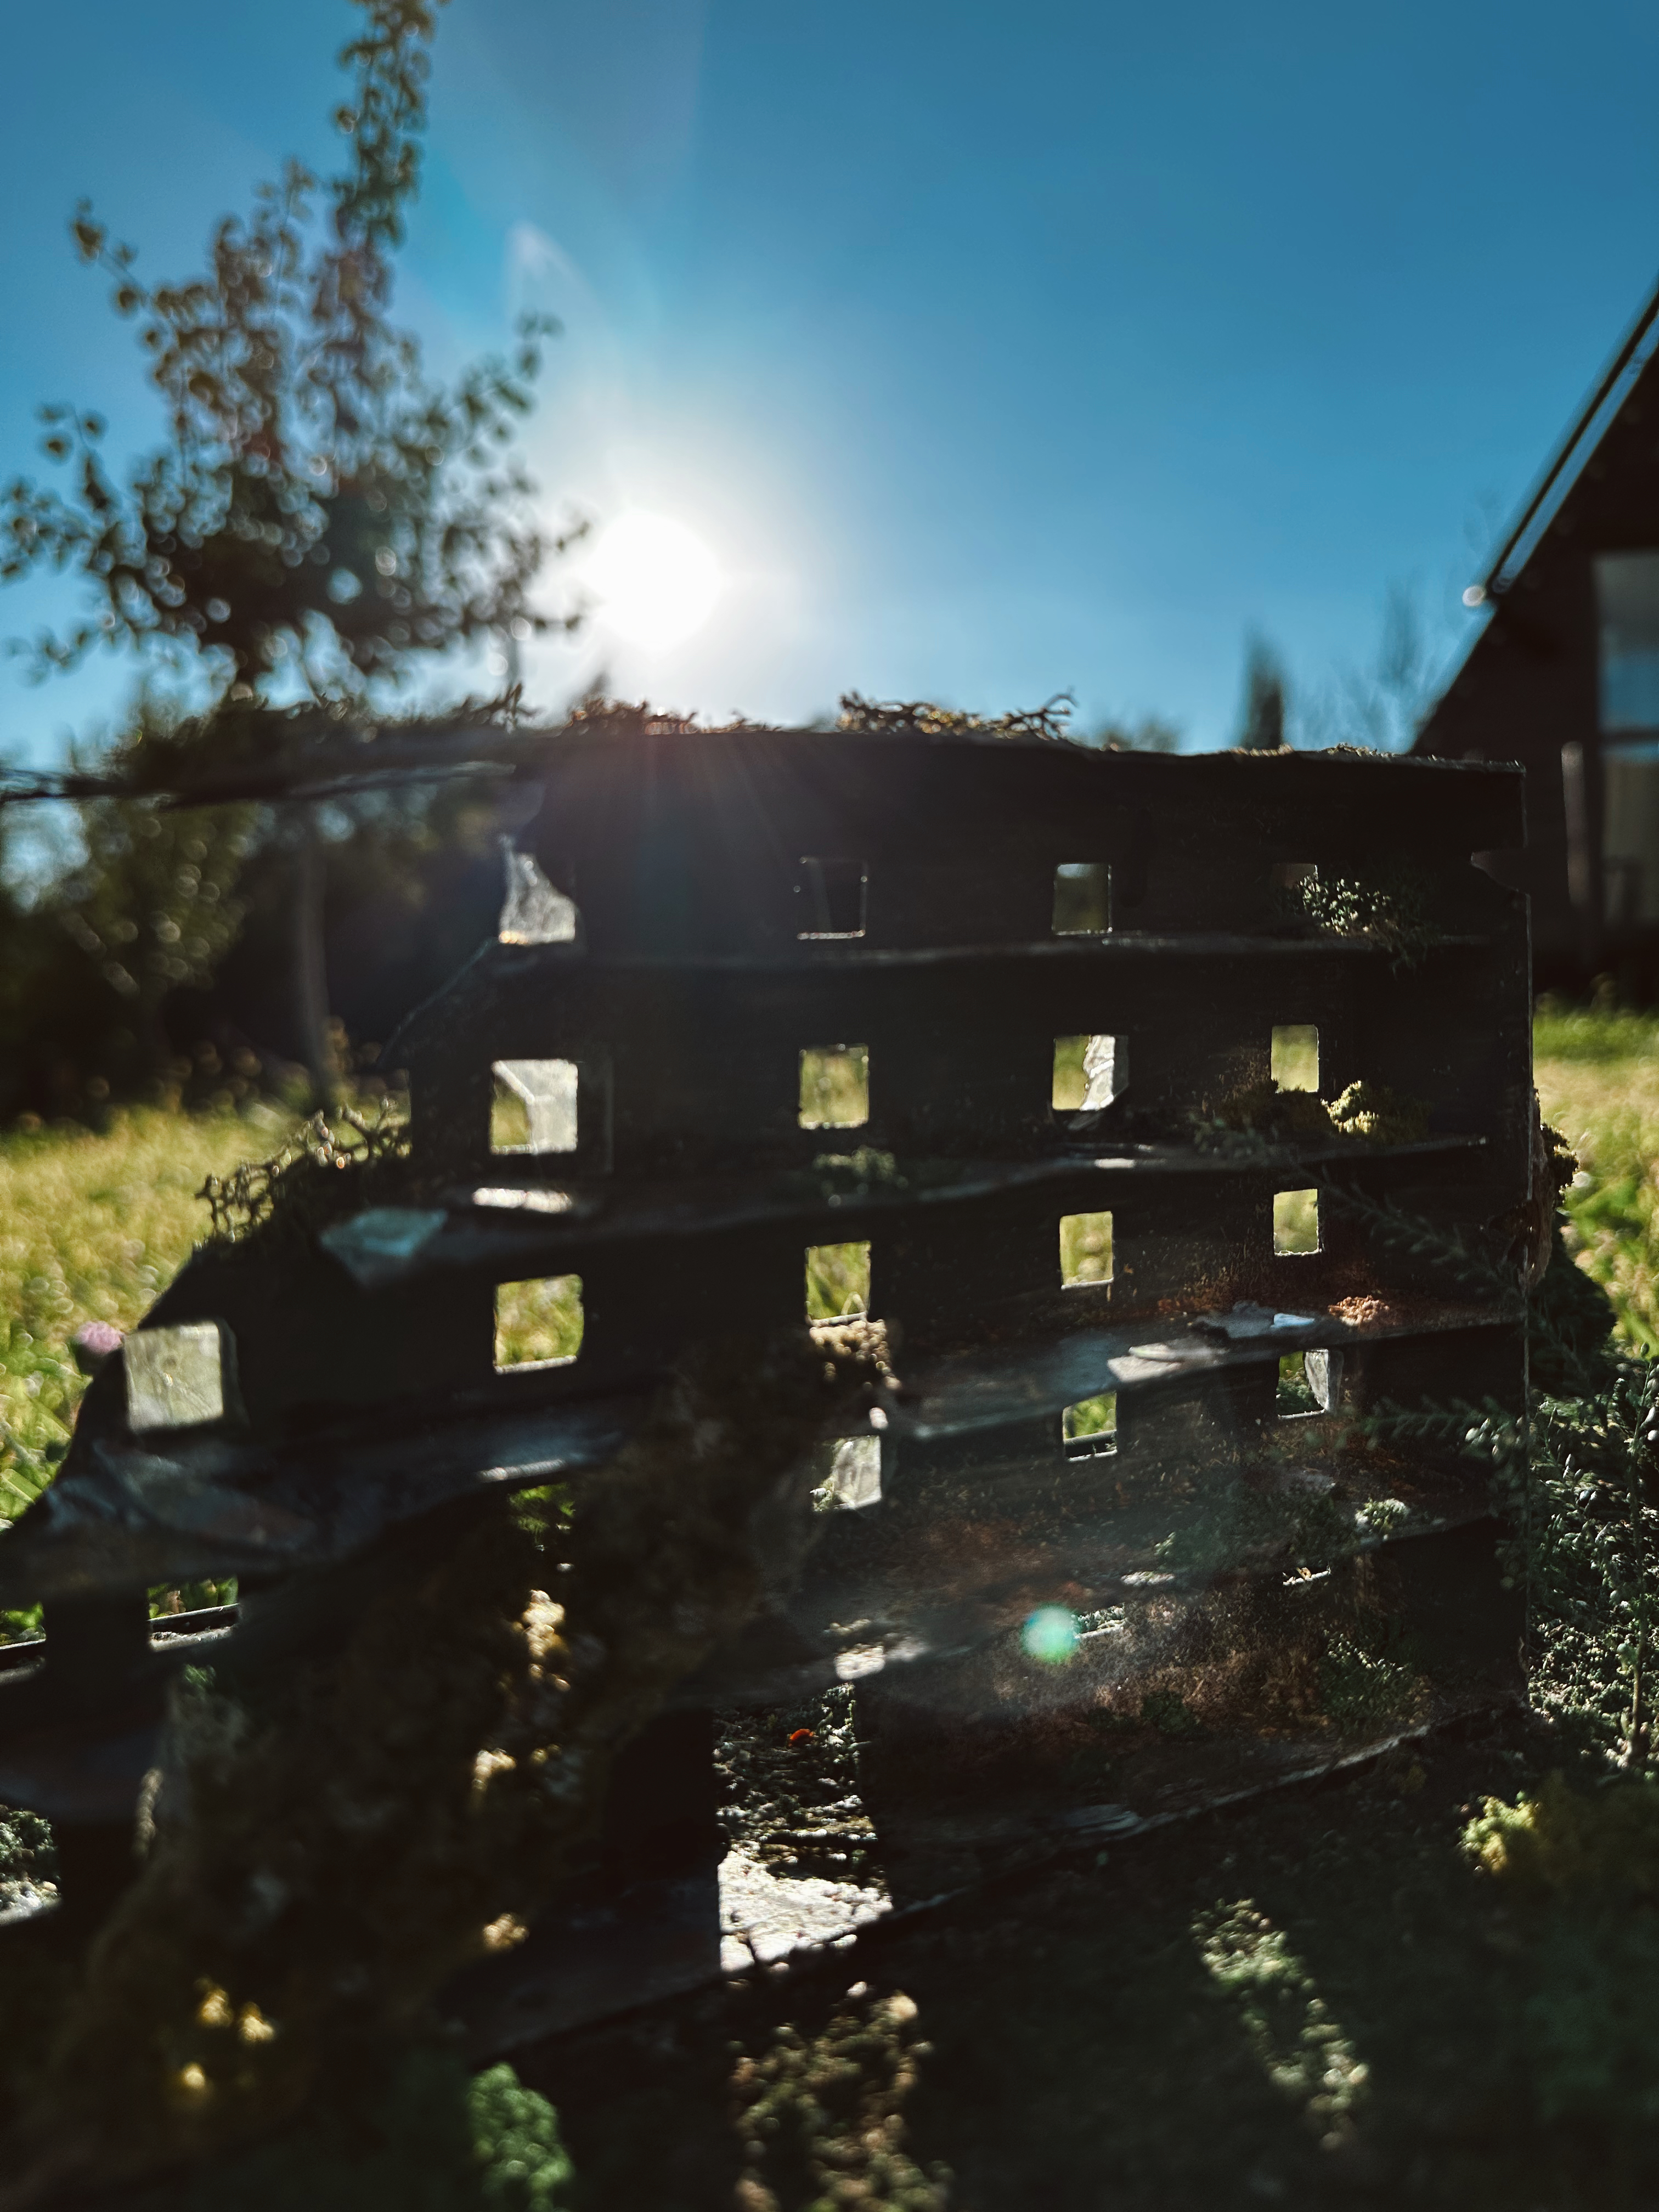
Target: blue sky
(992, 350)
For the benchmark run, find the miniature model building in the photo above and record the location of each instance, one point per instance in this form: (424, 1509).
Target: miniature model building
(1169, 1114)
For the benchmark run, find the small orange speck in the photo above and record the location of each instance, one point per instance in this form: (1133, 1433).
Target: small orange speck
(804, 1735)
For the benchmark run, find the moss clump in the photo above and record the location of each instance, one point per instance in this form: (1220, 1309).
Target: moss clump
(328, 1169)
(921, 717)
(1263, 1113)
(1260, 1115)
(1584, 1862)
(1387, 1117)
(857, 1175)
(1168, 1711)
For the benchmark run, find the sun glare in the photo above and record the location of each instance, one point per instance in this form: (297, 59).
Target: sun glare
(654, 579)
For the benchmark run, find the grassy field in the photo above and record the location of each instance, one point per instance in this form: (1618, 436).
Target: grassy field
(93, 1226)
(1597, 1073)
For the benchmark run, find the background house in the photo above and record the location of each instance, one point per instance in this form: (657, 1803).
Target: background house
(1565, 679)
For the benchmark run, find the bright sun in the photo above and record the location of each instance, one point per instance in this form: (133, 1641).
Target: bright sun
(655, 581)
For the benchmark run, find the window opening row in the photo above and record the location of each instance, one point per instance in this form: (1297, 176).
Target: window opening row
(539, 1323)
(838, 1276)
(536, 1105)
(832, 897)
(175, 1377)
(1090, 1071)
(1088, 1431)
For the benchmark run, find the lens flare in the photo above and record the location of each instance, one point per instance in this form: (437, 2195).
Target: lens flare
(1050, 1635)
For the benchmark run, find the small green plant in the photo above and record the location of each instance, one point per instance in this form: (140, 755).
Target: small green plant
(435, 2140)
(28, 1859)
(1559, 1838)
(1364, 1685)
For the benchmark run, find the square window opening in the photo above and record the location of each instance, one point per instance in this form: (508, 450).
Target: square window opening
(853, 1480)
(1296, 1221)
(837, 1281)
(1083, 898)
(1308, 1382)
(534, 1109)
(1295, 1056)
(539, 1323)
(831, 897)
(1090, 1427)
(533, 911)
(1086, 1249)
(834, 1086)
(1090, 1071)
(1294, 1394)
(174, 1377)
(168, 1601)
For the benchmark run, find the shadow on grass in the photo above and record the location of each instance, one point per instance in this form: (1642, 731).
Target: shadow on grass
(1319, 2000)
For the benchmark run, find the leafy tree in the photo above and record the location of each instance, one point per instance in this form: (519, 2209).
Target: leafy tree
(1264, 700)
(153, 903)
(319, 516)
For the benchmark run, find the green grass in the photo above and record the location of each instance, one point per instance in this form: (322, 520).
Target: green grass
(835, 1087)
(93, 1227)
(837, 1281)
(1071, 1084)
(1091, 1417)
(1597, 1072)
(1085, 1249)
(537, 1321)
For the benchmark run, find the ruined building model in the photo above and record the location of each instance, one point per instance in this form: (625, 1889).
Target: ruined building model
(978, 1037)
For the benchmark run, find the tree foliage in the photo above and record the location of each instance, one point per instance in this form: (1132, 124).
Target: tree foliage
(319, 513)
(1265, 697)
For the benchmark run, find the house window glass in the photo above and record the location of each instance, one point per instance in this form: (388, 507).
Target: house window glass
(1627, 605)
